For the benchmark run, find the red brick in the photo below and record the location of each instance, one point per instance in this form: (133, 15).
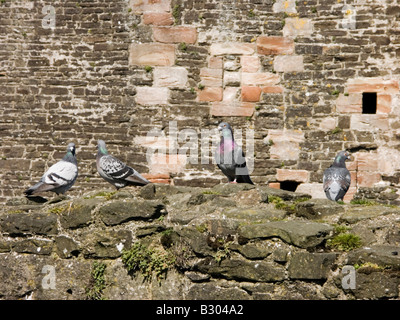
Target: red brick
(251, 94)
(210, 94)
(232, 109)
(274, 45)
(175, 34)
(158, 18)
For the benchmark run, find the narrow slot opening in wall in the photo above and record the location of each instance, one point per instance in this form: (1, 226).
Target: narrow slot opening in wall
(289, 185)
(369, 102)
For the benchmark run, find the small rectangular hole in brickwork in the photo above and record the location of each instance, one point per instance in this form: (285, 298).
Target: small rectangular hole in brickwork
(369, 102)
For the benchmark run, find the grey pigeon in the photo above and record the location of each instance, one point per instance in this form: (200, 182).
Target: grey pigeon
(115, 171)
(337, 179)
(230, 158)
(60, 177)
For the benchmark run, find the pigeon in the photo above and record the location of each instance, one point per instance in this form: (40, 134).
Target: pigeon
(115, 171)
(230, 158)
(337, 179)
(60, 177)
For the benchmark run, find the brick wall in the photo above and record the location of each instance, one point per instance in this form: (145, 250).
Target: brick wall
(293, 71)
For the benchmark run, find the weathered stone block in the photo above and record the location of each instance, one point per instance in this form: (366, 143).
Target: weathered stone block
(29, 223)
(158, 18)
(235, 109)
(152, 54)
(292, 175)
(250, 64)
(369, 122)
(260, 79)
(170, 77)
(118, 212)
(152, 95)
(140, 6)
(251, 94)
(300, 233)
(176, 34)
(211, 77)
(289, 64)
(274, 45)
(311, 266)
(373, 85)
(210, 94)
(295, 27)
(286, 144)
(234, 48)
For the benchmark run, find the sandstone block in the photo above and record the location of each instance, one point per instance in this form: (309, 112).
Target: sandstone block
(175, 34)
(367, 179)
(260, 79)
(286, 144)
(369, 122)
(215, 62)
(274, 45)
(158, 18)
(210, 94)
(211, 77)
(152, 54)
(288, 63)
(251, 94)
(292, 175)
(152, 95)
(235, 48)
(383, 103)
(170, 77)
(351, 103)
(373, 85)
(272, 89)
(166, 163)
(295, 27)
(140, 6)
(250, 63)
(235, 109)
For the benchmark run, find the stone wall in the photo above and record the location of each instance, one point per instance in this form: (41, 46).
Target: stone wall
(173, 242)
(292, 71)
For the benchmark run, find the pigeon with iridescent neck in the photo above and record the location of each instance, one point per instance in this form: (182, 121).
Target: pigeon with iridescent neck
(60, 177)
(115, 171)
(230, 158)
(337, 179)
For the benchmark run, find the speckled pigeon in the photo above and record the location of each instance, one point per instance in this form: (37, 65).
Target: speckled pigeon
(230, 158)
(60, 177)
(337, 179)
(115, 171)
